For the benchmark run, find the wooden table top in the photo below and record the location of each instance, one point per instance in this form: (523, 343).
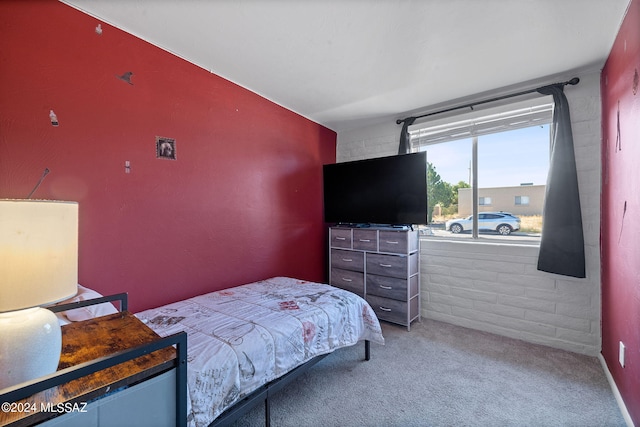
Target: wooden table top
(86, 341)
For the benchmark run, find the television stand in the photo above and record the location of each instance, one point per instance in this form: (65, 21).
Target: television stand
(382, 265)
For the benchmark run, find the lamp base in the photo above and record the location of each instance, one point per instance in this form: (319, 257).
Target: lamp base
(30, 345)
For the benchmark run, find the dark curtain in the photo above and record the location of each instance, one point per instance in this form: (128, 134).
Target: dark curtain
(404, 147)
(562, 243)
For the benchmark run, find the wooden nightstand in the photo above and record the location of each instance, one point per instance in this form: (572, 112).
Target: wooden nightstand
(87, 346)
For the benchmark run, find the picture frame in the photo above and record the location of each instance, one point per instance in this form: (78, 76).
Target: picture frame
(165, 148)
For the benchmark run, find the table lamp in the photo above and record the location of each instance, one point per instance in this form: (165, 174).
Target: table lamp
(38, 266)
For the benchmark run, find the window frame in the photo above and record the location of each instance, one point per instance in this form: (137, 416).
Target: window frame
(507, 115)
(482, 201)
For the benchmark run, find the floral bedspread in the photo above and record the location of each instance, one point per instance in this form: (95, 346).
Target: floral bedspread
(243, 337)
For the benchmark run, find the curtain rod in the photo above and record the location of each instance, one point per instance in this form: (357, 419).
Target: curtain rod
(573, 81)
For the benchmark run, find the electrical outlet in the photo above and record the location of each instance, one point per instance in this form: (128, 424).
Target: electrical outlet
(621, 354)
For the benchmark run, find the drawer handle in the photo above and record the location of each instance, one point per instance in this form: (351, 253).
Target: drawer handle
(386, 287)
(347, 259)
(340, 238)
(386, 265)
(392, 243)
(365, 240)
(347, 280)
(384, 309)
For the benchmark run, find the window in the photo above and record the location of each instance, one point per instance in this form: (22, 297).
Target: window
(481, 161)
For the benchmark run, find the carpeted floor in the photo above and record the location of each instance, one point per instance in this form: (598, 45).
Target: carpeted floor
(444, 375)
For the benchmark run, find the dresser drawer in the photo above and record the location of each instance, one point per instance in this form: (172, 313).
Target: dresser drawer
(393, 241)
(349, 280)
(340, 238)
(391, 287)
(387, 265)
(387, 287)
(365, 240)
(347, 260)
(389, 309)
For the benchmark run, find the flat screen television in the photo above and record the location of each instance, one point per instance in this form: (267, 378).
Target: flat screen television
(386, 191)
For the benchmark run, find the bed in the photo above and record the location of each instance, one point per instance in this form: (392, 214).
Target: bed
(245, 343)
(242, 338)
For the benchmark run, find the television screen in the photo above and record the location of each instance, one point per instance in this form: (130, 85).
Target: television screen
(386, 190)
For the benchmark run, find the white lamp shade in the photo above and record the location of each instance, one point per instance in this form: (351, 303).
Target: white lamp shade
(38, 252)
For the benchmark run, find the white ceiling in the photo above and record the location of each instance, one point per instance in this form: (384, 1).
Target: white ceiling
(343, 63)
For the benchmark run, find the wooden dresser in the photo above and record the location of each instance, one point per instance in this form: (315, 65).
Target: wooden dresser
(381, 265)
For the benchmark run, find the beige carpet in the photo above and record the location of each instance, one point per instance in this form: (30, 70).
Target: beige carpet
(444, 375)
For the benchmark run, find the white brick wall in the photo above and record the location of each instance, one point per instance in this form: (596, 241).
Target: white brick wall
(497, 288)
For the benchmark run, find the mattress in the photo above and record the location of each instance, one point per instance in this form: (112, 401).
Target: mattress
(244, 337)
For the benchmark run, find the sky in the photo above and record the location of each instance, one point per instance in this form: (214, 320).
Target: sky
(504, 159)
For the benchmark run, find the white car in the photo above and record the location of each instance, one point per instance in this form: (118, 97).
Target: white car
(501, 222)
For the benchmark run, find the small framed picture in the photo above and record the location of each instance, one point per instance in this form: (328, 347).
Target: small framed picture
(165, 148)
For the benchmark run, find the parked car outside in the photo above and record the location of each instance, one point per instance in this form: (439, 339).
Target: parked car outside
(502, 222)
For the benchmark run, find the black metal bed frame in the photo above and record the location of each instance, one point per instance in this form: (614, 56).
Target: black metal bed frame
(179, 340)
(263, 393)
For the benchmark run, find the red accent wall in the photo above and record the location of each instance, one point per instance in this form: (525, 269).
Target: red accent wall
(620, 228)
(241, 202)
